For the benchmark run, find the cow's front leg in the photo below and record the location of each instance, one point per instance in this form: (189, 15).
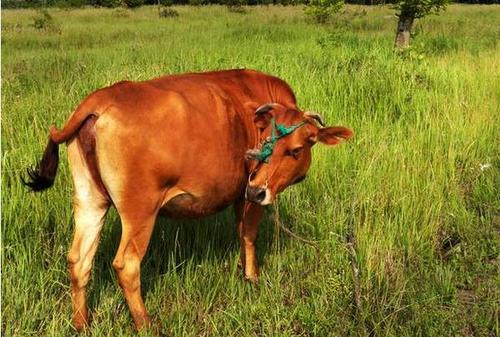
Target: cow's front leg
(248, 219)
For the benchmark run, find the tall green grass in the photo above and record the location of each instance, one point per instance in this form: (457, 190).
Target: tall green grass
(419, 181)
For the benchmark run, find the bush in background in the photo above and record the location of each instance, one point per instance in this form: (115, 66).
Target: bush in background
(321, 10)
(235, 6)
(121, 12)
(70, 3)
(44, 21)
(196, 2)
(133, 3)
(110, 3)
(168, 12)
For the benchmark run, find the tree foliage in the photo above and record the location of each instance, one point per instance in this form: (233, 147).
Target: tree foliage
(133, 3)
(321, 10)
(109, 3)
(419, 8)
(409, 10)
(236, 6)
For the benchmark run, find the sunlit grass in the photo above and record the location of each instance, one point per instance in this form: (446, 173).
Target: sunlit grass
(425, 208)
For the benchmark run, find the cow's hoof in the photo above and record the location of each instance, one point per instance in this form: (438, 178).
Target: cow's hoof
(80, 325)
(142, 323)
(81, 319)
(254, 279)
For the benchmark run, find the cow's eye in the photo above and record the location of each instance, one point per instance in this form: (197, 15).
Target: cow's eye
(295, 153)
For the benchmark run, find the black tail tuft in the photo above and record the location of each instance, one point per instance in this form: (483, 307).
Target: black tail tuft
(44, 174)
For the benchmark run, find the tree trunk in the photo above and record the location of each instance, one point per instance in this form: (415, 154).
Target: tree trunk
(404, 29)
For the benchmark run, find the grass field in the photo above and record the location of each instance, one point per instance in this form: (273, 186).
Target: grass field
(420, 181)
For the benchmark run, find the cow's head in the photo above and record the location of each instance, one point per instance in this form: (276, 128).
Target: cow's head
(284, 155)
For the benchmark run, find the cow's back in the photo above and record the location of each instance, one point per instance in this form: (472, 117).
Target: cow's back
(243, 84)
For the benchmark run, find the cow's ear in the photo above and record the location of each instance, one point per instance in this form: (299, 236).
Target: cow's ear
(334, 134)
(263, 115)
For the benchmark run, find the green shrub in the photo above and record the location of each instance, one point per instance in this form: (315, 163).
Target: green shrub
(236, 6)
(133, 3)
(44, 21)
(110, 3)
(70, 3)
(320, 11)
(121, 12)
(237, 9)
(167, 12)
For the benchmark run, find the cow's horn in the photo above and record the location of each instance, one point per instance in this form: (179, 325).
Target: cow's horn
(252, 154)
(316, 116)
(265, 108)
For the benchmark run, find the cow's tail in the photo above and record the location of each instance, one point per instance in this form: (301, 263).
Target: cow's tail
(42, 176)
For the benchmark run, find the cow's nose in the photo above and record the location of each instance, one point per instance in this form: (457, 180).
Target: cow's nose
(256, 194)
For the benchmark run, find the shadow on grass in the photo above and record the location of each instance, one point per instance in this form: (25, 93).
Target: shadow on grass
(175, 242)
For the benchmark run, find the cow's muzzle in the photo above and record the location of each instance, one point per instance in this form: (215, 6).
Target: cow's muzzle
(258, 195)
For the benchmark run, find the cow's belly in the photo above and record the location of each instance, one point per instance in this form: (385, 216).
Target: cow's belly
(187, 205)
(205, 187)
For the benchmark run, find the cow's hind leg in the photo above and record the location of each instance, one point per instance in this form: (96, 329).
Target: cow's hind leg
(137, 225)
(134, 189)
(90, 207)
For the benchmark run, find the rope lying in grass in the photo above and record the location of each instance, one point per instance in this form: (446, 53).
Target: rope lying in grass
(313, 243)
(279, 223)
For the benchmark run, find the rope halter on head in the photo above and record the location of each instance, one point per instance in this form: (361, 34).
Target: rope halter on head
(278, 131)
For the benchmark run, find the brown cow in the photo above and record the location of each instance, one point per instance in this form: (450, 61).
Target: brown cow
(177, 145)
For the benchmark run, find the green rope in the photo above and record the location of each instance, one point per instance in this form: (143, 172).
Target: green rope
(268, 146)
